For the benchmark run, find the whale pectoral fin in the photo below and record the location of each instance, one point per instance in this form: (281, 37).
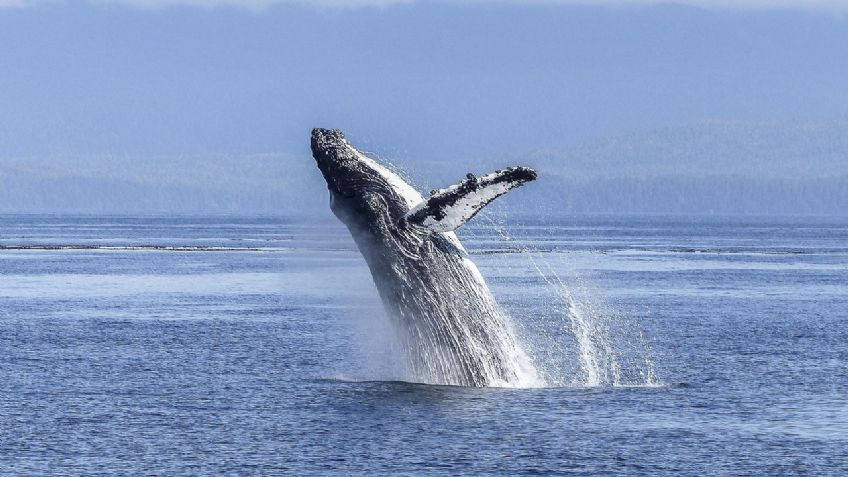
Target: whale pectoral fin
(447, 209)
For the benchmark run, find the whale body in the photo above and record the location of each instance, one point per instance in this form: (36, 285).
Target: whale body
(452, 329)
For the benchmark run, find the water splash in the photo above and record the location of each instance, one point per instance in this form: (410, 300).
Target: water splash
(612, 349)
(608, 347)
(576, 340)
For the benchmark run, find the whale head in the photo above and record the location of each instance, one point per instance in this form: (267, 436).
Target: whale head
(362, 191)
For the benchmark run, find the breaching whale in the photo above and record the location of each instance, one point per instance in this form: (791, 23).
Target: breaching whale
(453, 331)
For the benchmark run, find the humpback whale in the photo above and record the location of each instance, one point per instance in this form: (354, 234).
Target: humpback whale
(453, 331)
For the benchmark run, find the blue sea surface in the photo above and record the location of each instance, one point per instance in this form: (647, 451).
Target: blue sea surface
(220, 345)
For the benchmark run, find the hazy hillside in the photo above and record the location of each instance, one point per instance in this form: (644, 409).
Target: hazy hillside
(790, 168)
(252, 184)
(808, 150)
(713, 168)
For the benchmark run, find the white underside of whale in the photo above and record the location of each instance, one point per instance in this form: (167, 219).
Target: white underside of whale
(412, 197)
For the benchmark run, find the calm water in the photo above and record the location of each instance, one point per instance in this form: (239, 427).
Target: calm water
(258, 346)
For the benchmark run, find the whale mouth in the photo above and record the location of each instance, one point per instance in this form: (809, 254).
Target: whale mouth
(324, 139)
(335, 161)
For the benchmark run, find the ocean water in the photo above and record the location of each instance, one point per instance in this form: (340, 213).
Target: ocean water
(186, 346)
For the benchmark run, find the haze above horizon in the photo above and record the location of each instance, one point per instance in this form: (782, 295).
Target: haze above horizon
(130, 99)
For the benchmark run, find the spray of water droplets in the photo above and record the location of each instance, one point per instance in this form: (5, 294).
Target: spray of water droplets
(579, 340)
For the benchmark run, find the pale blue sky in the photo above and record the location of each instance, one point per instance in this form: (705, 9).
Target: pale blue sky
(418, 79)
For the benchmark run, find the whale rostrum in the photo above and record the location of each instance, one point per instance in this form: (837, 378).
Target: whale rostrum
(452, 330)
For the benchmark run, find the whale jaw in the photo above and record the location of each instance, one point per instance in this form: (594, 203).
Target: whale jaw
(334, 159)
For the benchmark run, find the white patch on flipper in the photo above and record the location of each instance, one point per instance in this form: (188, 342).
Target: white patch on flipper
(466, 206)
